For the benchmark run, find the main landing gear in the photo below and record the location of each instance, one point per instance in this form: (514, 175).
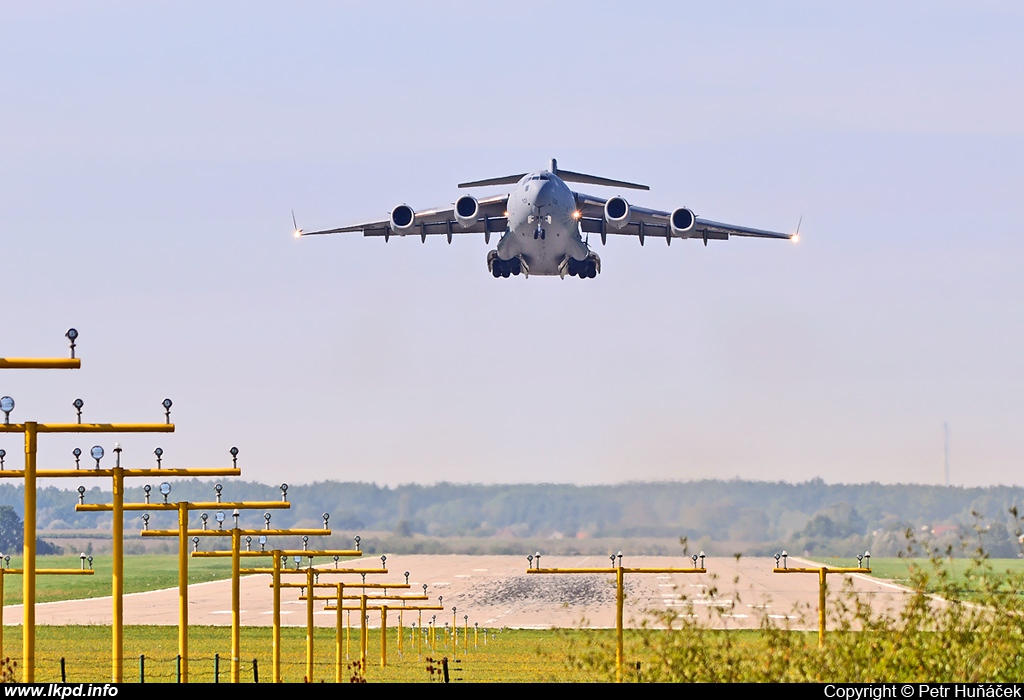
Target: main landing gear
(506, 268)
(584, 269)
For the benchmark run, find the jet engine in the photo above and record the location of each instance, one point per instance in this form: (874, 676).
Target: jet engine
(467, 209)
(616, 212)
(681, 222)
(403, 218)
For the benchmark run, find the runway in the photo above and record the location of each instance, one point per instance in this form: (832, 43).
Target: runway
(496, 591)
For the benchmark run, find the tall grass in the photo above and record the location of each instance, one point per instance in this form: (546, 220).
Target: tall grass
(963, 627)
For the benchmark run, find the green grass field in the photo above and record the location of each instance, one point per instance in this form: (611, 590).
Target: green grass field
(973, 643)
(495, 656)
(900, 570)
(148, 572)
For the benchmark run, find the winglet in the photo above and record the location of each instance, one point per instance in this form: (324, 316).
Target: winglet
(796, 236)
(296, 231)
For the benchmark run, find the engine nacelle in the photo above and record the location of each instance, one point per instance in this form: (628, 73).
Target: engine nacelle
(616, 212)
(681, 222)
(403, 218)
(467, 210)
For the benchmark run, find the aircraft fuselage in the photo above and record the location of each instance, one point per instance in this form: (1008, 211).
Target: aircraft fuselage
(543, 226)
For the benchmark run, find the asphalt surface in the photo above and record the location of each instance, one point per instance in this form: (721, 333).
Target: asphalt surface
(496, 591)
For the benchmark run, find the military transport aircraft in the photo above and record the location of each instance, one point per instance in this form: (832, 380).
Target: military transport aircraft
(545, 226)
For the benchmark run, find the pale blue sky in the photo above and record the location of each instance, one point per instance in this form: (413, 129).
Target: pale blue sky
(151, 154)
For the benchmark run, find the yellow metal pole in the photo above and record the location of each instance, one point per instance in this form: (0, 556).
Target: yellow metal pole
(40, 363)
(348, 634)
(822, 573)
(236, 606)
(455, 629)
(362, 633)
(28, 638)
(465, 635)
(183, 588)
(419, 635)
(620, 596)
(337, 634)
(309, 624)
(1, 613)
(277, 616)
(117, 583)
(401, 628)
(383, 636)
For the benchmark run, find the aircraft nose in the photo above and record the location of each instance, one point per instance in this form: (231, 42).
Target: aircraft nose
(544, 194)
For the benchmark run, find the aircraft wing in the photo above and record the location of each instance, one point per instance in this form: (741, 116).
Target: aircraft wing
(652, 222)
(433, 222)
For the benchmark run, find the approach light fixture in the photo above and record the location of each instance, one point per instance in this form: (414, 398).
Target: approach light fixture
(195, 544)
(356, 539)
(406, 578)
(78, 403)
(266, 520)
(159, 452)
(117, 455)
(305, 542)
(326, 517)
(619, 555)
(97, 454)
(82, 557)
(248, 543)
(165, 490)
(234, 457)
(77, 453)
(262, 539)
(383, 561)
(145, 521)
(867, 559)
(204, 517)
(147, 488)
(72, 336)
(219, 517)
(167, 403)
(284, 492)
(3, 453)
(81, 497)
(784, 556)
(234, 514)
(7, 405)
(701, 558)
(217, 489)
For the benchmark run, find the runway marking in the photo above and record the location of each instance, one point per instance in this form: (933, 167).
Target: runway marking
(283, 612)
(480, 570)
(226, 612)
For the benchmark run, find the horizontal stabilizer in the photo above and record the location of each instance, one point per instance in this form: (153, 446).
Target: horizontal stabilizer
(507, 180)
(567, 175)
(570, 176)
